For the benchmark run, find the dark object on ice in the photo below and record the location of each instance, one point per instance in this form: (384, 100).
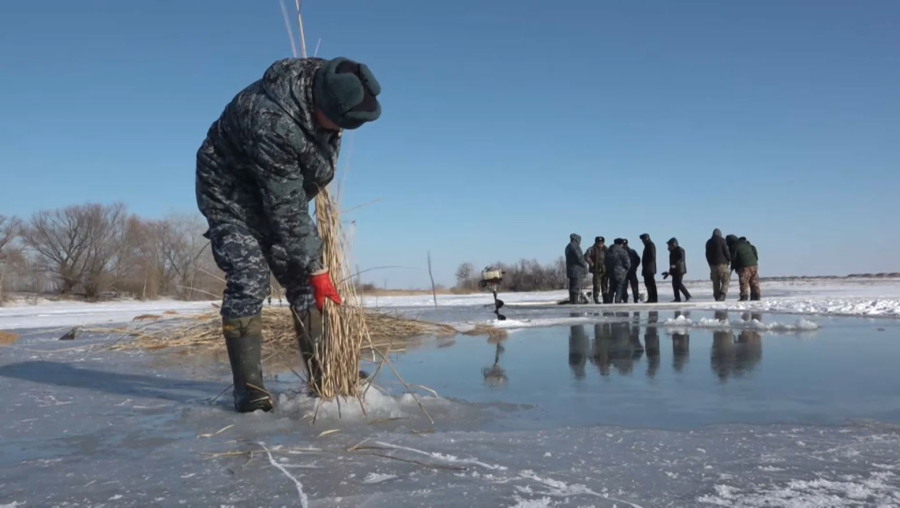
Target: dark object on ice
(648, 261)
(71, 334)
(576, 267)
(491, 279)
(243, 339)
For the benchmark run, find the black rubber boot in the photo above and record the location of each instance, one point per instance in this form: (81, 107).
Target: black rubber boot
(754, 297)
(308, 325)
(573, 297)
(743, 298)
(243, 338)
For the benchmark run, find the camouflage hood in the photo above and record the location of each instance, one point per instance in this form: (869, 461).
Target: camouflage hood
(289, 84)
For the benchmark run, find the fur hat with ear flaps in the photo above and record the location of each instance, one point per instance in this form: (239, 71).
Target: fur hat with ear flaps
(346, 93)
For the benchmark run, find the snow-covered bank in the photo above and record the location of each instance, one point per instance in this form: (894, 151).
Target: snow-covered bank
(843, 297)
(47, 314)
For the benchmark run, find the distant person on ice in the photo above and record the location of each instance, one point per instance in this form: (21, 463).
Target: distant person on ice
(677, 269)
(617, 265)
(648, 262)
(745, 261)
(576, 268)
(718, 256)
(265, 158)
(631, 278)
(596, 260)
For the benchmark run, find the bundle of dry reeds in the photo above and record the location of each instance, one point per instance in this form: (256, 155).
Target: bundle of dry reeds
(344, 329)
(279, 337)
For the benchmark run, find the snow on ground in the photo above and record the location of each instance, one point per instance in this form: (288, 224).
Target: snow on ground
(842, 297)
(61, 314)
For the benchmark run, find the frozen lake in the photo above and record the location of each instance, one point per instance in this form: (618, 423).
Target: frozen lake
(574, 408)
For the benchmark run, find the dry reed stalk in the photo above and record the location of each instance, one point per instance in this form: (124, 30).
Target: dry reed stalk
(7, 338)
(344, 329)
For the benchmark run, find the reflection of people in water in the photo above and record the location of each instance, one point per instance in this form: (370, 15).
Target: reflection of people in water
(722, 355)
(637, 349)
(681, 345)
(620, 348)
(494, 375)
(602, 340)
(579, 349)
(735, 357)
(747, 351)
(651, 343)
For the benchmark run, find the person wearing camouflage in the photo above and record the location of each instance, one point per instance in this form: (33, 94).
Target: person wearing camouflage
(745, 261)
(266, 157)
(596, 260)
(617, 265)
(718, 256)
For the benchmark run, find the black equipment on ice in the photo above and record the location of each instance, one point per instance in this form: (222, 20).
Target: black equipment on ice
(490, 280)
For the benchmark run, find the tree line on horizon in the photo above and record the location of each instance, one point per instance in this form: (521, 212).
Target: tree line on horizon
(524, 275)
(94, 251)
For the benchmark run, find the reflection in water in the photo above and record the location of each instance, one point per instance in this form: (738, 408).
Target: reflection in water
(495, 376)
(579, 350)
(617, 346)
(735, 357)
(681, 344)
(651, 343)
(602, 339)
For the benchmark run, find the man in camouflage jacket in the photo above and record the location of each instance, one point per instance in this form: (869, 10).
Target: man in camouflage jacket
(596, 260)
(265, 158)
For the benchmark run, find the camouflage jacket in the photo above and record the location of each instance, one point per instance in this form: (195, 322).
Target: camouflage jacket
(265, 158)
(618, 262)
(596, 258)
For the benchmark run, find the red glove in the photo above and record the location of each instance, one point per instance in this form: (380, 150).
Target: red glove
(322, 289)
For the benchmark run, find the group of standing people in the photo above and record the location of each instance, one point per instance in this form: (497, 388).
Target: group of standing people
(615, 268)
(733, 254)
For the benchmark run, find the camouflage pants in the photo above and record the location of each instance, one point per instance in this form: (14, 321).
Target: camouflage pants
(721, 278)
(601, 285)
(246, 260)
(749, 278)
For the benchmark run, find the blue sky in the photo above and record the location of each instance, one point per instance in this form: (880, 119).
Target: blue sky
(507, 125)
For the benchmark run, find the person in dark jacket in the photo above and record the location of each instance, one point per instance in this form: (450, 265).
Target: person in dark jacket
(648, 262)
(617, 265)
(631, 278)
(596, 260)
(677, 269)
(576, 267)
(745, 261)
(718, 256)
(266, 157)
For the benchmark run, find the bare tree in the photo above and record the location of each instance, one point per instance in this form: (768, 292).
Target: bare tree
(10, 228)
(465, 276)
(106, 234)
(78, 244)
(60, 238)
(182, 246)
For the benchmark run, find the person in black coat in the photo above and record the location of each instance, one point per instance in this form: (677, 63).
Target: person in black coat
(631, 278)
(677, 269)
(648, 261)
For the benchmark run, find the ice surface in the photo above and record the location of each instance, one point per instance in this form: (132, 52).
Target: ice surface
(597, 408)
